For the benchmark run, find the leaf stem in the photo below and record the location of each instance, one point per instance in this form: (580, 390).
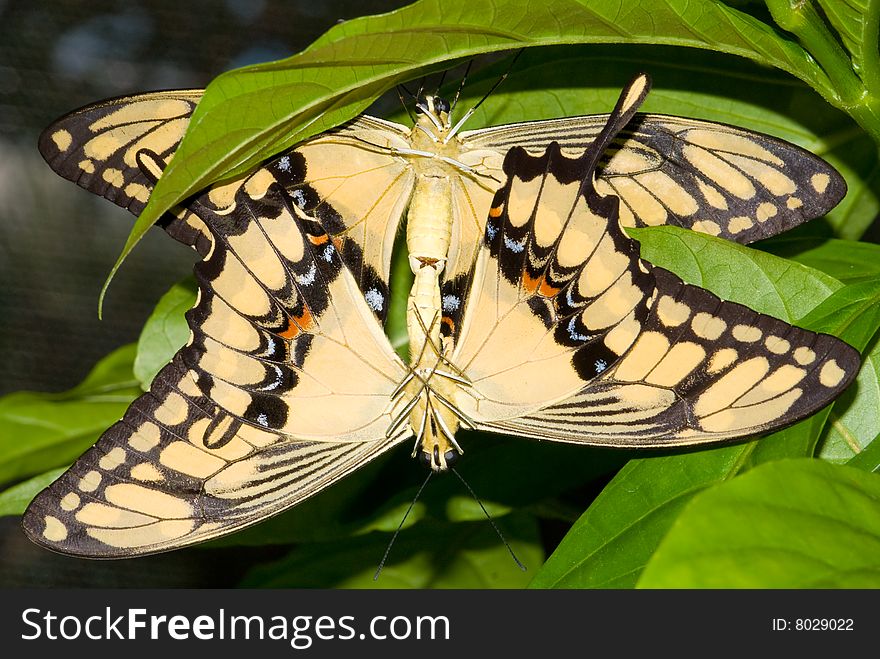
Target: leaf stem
(801, 19)
(870, 72)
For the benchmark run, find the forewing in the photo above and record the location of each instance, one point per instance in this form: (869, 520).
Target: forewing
(284, 387)
(710, 177)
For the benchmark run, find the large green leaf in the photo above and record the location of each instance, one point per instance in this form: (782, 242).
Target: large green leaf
(249, 114)
(39, 431)
(786, 524)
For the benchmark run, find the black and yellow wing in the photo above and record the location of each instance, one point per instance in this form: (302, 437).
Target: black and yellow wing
(284, 387)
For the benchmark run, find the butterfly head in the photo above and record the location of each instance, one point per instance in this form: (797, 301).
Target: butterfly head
(437, 461)
(433, 113)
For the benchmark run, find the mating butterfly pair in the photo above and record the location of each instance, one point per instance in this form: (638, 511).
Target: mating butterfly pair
(537, 317)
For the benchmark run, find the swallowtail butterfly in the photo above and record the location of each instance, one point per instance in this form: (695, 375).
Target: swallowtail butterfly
(557, 331)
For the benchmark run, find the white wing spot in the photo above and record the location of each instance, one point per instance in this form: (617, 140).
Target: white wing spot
(328, 253)
(375, 299)
(514, 246)
(284, 165)
(575, 336)
(263, 420)
(299, 198)
(451, 303)
(309, 278)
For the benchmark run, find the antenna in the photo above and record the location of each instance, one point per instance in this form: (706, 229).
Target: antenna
(400, 526)
(460, 86)
(491, 521)
(469, 113)
(400, 89)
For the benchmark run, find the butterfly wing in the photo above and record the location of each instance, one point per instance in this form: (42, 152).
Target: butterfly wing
(710, 177)
(349, 179)
(568, 335)
(283, 388)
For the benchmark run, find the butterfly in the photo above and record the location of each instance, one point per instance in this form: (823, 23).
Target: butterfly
(288, 383)
(360, 181)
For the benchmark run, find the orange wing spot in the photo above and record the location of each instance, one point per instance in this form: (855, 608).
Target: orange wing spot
(291, 332)
(319, 240)
(338, 243)
(304, 320)
(496, 211)
(530, 284)
(547, 290)
(446, 320)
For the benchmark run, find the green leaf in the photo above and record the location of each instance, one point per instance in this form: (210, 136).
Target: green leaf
(165, 331)
(39, 431)
(787, 524)
(733, 272)
(432, 554)
(845, 260)
(15, 499)
(275, 105)
(609, 545)
(869, 458)
(856, 21)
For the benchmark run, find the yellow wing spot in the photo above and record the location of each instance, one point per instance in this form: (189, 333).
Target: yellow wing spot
(719, 171)
(731, 386)
(707, 326)
(187, 459)
(172, 411)
(740, 223)
(55, 530)
(678, 363)
(257, 185)
(113, 176)
(622, 335)
(777, 345)
(753, 417)
(113, 458)
(776, 182)
(721, 360)
(63, 139)
(804, 356)
(707, 226)
(145, 438)
(144, 536)
(820, 182)
(831, 374)
(671, 312)
(70, 501)
(782, 379)
(712, 196)
(90, 481)
(88, 166)
(765, 211)
(137, 191)
(645, 354)
(746, 333)
(794, 203)
(223, 196)
(146, 471)
(145, 500)
(100, 514)
(635, 90)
